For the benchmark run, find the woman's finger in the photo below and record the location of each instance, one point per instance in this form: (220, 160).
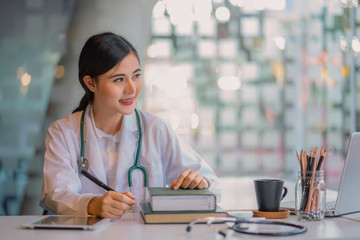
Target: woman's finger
(180, 179)
(196, 181)
(127, 198)
(189, 178)
(114, 214)
(130, 195)
(203, 184)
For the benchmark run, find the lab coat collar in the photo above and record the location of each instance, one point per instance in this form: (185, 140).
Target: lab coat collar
(129, 123)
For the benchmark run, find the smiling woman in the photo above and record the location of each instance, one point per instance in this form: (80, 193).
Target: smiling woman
(107, 122)
(115, 93)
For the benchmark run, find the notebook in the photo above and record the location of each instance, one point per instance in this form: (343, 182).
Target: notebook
(348, 197)
(66, 222)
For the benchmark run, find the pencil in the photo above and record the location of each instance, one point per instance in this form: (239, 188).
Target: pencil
(307, 208)
(298, 158)
(322, 162)
(313, 198)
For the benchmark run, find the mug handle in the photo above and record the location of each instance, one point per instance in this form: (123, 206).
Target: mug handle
(284, 194)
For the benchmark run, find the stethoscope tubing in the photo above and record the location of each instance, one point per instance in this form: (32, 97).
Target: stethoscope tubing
(83, 163)
(137, 164)
(298, 229)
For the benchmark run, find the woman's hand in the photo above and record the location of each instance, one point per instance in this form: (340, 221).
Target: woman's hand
(190, 179)
(111, 205)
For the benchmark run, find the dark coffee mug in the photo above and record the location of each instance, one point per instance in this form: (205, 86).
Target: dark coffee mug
(269, 193)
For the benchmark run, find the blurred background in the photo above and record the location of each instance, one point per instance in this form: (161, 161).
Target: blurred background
(247, 83)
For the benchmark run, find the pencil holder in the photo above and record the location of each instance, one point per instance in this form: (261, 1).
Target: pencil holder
(310, 196)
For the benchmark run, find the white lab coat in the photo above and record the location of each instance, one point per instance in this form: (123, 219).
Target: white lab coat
(65, 191)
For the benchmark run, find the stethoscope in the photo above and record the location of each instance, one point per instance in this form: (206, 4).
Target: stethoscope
(240, 226)
(83, 163)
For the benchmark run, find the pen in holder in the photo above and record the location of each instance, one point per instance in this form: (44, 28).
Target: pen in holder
(310, 188)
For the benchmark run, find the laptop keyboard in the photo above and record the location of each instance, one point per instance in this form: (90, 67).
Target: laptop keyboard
(330, 205)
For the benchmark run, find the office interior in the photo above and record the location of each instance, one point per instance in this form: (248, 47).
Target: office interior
(246, 83)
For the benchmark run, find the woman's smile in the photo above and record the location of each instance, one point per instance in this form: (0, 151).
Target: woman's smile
(127, 101)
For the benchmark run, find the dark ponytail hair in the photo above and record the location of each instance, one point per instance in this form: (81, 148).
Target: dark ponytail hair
(100, 54)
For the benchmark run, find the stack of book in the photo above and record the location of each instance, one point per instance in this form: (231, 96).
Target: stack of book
(179, 206)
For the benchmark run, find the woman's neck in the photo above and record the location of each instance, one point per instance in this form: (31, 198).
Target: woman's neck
(107, 122)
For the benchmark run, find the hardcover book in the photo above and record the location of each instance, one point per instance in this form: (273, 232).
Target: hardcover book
(167, 199)
(150, 216)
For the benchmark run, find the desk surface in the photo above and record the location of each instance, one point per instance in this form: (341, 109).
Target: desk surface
(237, 194)
(131, 227)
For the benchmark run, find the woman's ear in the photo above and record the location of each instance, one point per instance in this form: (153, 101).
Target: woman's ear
(90, 83)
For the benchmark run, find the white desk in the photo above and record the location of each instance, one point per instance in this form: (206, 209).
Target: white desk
(131, 226)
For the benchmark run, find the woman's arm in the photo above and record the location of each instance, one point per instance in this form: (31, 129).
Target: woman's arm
(62, 185)
(183, 166)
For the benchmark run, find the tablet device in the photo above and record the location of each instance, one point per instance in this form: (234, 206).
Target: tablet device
(67, 222)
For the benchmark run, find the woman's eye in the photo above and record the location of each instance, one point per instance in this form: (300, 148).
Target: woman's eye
(136, 76)
(119, 80)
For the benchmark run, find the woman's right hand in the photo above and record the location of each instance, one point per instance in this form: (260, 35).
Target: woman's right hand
(111, 205)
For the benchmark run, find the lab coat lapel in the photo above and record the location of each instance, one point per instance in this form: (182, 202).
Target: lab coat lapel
(92, 150)
(128, 143)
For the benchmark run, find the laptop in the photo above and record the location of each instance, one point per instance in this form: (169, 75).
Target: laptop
(348, 197)
(66, 222)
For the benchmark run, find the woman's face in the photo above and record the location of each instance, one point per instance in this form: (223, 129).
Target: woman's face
(117, 90)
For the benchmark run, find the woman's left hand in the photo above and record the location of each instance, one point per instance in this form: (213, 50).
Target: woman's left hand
(190, 179)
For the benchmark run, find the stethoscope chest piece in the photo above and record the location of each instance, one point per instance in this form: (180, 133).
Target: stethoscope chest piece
(83, 164)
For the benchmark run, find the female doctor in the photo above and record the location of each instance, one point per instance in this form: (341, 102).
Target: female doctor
(110, 73)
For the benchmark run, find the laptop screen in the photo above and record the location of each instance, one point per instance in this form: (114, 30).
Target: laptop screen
(348, 198)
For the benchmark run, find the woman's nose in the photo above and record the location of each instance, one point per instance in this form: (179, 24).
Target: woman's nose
(130, 86)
